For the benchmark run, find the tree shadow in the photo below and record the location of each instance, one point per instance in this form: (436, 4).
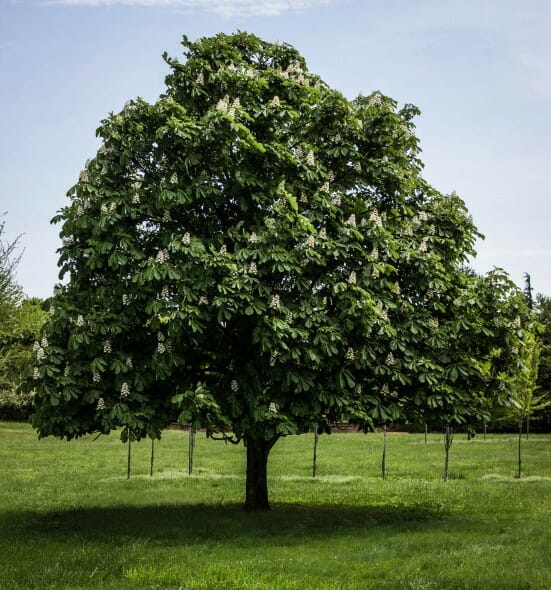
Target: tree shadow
(188, 524)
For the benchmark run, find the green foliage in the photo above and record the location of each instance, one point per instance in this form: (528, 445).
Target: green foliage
(17, 334)
(543, 307)
(20, 322)
(256, 253)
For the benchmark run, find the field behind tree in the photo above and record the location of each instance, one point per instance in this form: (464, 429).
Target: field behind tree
(69, 518)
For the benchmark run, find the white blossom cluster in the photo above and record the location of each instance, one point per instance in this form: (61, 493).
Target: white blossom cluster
(107, 347)
(174, 178)
(66, 370)
(352, 278)
(162, 256)
(167, 218)
(375, 273)
(323, 234)
(336, 201)
(351, 221)
(186, 239)
(358, 389)
(275, 102)
(234, 385)
(397, 287)
(203, 300)
(129, 362)
(325, 188)
(100, 405)
(68, 241)
(289, 317)
(275, 302)
(375, 101)
(36, 373)
(390, 360)
(350, 354)
(200, 79)
(272, 408)
(310, 160)
(433, 323)
(252, 268)
(376, 219)
(96, 377)
(303, 198)
(165, 293)
(358, 166)
(408, 231)
(423, 246)
(125, 299)
(331, 176)
(383, 312)
(136, 199)
(310, 242)
(108, 208)
(223, 249)
(224, 106)
(125, 390)
(253, 238)
(375, 253)
(80, 321)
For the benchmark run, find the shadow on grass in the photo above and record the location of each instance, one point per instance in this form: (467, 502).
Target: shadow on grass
(188, 524)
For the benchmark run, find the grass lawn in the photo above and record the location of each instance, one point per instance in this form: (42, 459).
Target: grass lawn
(69, 518)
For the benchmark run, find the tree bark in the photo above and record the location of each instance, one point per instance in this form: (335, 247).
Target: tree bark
(519, 472)
(152, 457)
(383, 459)
(256, 494)
(426, 432)
(448, 439)
(129, 458)
(315, 458)
(191, 449)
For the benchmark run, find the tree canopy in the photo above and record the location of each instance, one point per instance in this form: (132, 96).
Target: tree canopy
(259, 255)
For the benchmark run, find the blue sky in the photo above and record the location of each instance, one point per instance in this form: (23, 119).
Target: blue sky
(479, 70)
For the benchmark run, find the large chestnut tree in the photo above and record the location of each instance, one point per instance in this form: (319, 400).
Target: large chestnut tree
(256, 254)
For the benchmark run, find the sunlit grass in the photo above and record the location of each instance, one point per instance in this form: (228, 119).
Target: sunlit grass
(70, 518)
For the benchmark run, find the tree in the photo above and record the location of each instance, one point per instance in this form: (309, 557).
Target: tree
(543, 308)
(253, 253)
(526, 400)
(20, 322)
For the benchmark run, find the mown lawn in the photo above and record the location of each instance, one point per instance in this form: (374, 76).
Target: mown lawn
(69, 518)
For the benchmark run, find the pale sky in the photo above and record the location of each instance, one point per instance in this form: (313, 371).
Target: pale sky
(479, 70)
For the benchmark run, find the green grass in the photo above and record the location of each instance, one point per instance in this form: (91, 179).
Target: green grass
(69, 518)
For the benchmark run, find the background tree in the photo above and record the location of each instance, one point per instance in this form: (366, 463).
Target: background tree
(20, 322)
(252, 252)
(543, 309)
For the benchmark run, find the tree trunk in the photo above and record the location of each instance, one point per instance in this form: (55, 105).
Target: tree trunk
(191, 449)
(383, 460)
(315, 457)
(485, 429)
(527, 426)
(426, 432)
(448, 439)
(152, 457)
(256, 494)
(129, 461)
(519, 472)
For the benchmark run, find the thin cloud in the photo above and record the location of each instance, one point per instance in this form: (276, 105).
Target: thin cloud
(225, 8)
